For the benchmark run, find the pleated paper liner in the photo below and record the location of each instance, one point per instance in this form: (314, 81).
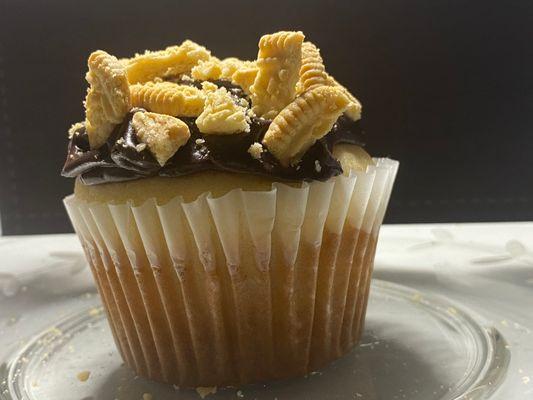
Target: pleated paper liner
(247, 287)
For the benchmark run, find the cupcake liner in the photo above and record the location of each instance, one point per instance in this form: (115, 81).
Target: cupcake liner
(241, 288)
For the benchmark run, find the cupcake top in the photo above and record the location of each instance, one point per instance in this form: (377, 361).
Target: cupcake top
(182, 110)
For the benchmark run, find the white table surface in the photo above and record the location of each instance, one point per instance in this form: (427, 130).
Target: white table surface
(486, 268)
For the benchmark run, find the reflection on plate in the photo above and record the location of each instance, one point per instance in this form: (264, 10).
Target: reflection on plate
(414, 347)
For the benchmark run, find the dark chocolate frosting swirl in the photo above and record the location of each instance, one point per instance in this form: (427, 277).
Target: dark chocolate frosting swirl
(123, 157)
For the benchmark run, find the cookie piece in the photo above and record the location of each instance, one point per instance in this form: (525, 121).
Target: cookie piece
(172, 61)
(207, 70)
(208, 87)
(163, 134)
(299, 125)
(108, 98)
(215, 69)
(354, 109)
(312, 72)
(221, 115)
(278, 61)
(245, 75)
(230, 65)
(168, 98)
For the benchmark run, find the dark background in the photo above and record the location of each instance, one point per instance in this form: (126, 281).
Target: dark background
(447, 89)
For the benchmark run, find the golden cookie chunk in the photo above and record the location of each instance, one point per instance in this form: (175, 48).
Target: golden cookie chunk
(208, 87)
(299, 125)
(354, 108)
(98, 127)
(312, 72)
(168, 98)
(230, 65)
(163, 134)
(245, 75)
(239, 72)
(214, 69)
(207, 70)
(278, 61)
(221, 115)
(172, 61)
(108, 98)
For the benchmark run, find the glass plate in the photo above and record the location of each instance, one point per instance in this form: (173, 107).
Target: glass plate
(414, 347)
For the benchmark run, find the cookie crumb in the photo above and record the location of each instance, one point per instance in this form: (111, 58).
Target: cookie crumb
(55, 331)
(204, 391)
(140, 147)
(74, 128)
(209, 86)
(251, 114)
(93, 312)
(83, 376)
(417, 297)
(255, 150)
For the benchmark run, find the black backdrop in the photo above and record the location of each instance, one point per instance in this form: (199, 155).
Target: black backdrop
(447, 88)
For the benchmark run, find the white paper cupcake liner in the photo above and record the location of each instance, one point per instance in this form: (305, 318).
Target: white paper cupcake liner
(242, 288)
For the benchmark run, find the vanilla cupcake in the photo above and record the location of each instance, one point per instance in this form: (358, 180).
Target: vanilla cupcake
(227, 210)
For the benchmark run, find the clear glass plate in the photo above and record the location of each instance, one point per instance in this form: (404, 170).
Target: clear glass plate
(414, 347)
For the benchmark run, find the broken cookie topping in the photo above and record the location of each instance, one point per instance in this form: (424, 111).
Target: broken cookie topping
(181, 110)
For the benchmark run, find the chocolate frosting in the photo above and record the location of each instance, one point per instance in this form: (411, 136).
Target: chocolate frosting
(121, 159)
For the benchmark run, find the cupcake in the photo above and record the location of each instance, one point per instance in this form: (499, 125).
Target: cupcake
(227, 209)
